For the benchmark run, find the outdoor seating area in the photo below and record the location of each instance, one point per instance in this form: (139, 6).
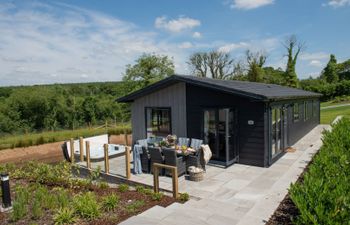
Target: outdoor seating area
(183, 153)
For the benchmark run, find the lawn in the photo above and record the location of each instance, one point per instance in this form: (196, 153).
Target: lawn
(25, 140)
(328, 115)
(50, 194)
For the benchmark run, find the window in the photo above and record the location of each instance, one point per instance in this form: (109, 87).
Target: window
(276, 116)
(158, 122)
(296, 112)
(306, 113)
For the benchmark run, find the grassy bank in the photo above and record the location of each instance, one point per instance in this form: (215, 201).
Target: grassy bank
(328, 115)
(26, 140)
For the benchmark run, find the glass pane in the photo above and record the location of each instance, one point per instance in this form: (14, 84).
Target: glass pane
(158, 122)
(273, 126)
(210, 130)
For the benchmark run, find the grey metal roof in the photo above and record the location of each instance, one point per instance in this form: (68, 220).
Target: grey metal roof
(258, 91)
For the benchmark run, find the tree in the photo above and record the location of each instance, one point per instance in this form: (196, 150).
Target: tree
(294, 48)
(255, 61)
(216, 64)
(149, 68)
(330, 72)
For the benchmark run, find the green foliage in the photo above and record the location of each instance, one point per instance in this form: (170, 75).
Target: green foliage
(37, 210)
(328, 91)
(148, 69)
(184, 197)
(55, 107)
(64, 216)
(62, 198)
(324, 195)
(255, 63)
(19, 206)
(123, 187)
(86, 205)
(330, 72)
(134, 206)
(103, 185)
(110, 202)
(140, 189)
(157, 196)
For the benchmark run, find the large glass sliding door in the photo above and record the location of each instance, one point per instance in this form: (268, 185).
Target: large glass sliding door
(279, 133)
(219, 133)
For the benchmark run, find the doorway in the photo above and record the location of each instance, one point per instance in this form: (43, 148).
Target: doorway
(220, 133)
(279, 130)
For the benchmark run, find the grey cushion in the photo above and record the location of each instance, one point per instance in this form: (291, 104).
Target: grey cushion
(183, 141)
(196, 143)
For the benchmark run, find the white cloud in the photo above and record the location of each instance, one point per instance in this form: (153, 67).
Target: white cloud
(71, 44)
(337, 3)
(250, 4)
(176, 25)
(196, 35)
(316, 63)
(233, 46)
(185, 45)
(314, 56)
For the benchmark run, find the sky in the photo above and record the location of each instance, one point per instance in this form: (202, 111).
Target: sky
(68, 41)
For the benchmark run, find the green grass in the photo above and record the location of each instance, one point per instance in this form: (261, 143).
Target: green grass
(25, 140)
(328, 115)
(340, 100)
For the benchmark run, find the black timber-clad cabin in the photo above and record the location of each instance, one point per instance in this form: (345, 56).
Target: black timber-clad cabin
(244, 122)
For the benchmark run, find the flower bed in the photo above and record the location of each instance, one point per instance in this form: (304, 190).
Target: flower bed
(49, 194)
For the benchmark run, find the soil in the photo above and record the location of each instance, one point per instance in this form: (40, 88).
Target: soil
(113, 217)
(47, 153)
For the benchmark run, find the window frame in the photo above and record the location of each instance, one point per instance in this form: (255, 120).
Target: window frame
(157, 108)
(296, 104)
(306, 110)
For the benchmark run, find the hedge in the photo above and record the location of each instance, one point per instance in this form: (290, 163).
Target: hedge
(323, 197)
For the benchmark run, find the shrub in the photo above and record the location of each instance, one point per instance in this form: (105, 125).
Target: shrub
(148, 191)
(324, 195)
(19, 206)
(110, 202)
(140, 189)
(123, 187)
(184, 197)
(86, 205)
(157, 196)
(37, 210)
(64, 216)
(62, 198)
(134, 206)
(103, 185)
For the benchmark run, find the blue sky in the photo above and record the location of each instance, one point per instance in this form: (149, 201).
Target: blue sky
(83, 41)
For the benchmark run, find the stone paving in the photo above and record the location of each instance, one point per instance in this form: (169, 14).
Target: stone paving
(239, 194)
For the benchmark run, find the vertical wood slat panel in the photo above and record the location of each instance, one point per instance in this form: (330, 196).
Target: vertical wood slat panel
(172, 96)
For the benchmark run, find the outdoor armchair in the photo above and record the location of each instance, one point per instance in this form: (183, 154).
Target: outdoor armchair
(171, 159)
(156, 157)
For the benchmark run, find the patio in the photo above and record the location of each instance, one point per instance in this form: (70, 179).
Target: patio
(239, 194)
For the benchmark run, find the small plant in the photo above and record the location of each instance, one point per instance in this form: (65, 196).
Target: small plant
(134, 206)
(140, 189)
(110, 202)
(19, 206)
(95, 174)
(148, 191)
(37, 210)
(184, 197)
(157, 196)
(62, 198)
(64, 216)
(103, 185)
(123, 187)
(86, 205)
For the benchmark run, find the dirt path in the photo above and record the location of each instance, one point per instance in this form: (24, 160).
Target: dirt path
(48, 153)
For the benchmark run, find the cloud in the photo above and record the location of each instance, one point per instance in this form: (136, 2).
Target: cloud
(250, 4)
(185, 45)
(176, 25)
(196, 35)
(314, 56)
(316, 63)
(337, 3)
(58, 43)
(233, 46)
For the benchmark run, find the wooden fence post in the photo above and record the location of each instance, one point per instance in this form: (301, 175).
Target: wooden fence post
(105, 147)
(127, 162)
(72, 150)
(81, 148)
(175, 179)
(87, 148)
(175, 183)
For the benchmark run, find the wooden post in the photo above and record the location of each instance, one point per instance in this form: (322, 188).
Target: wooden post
(155, 179)
(81, 148)
(87, 148)
(175, 179)
(175, 183)
(125, 138)
(105, 146)
(71, 150)
(127, 162)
